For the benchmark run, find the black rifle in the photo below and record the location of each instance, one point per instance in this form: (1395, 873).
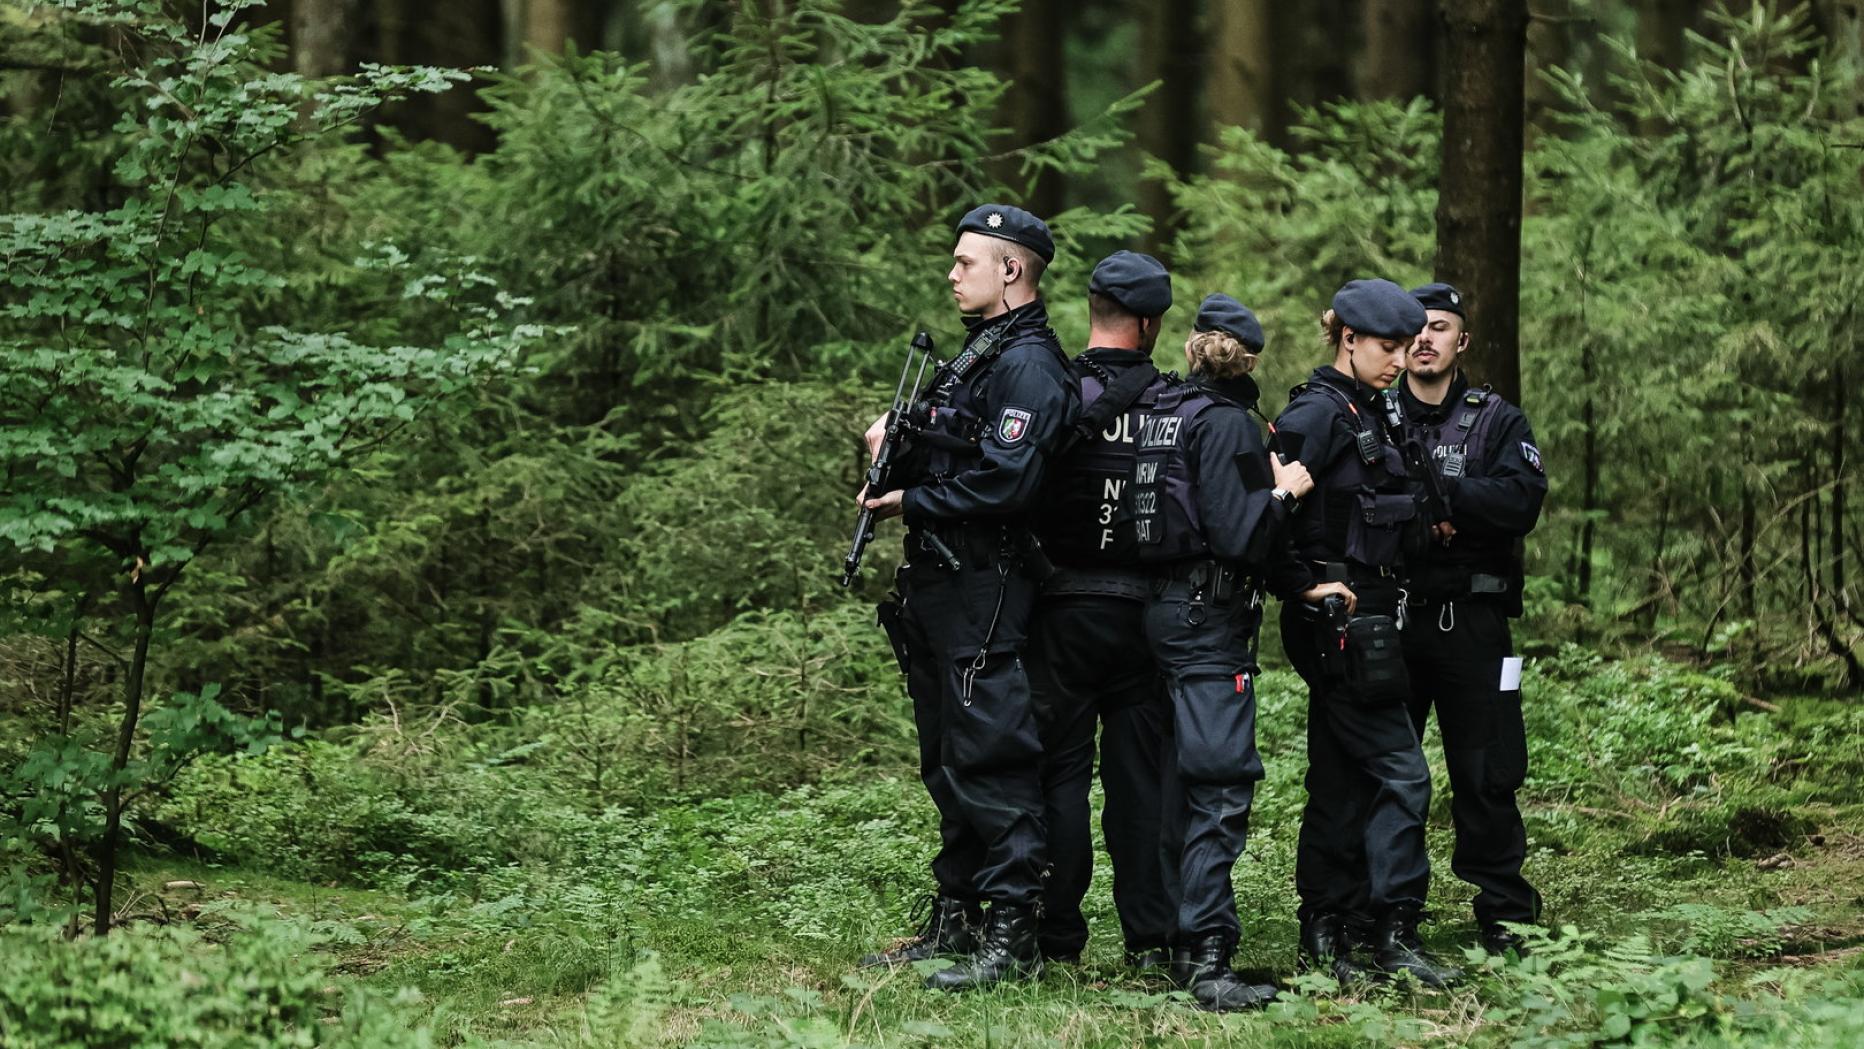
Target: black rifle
(1416, 461)
(879, 473)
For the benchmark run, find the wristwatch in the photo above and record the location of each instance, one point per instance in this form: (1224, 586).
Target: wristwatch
(1281, 495)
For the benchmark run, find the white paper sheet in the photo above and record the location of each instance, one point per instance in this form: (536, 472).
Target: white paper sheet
(1511, 674)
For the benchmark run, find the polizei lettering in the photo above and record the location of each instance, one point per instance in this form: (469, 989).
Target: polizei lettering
(1160, 431)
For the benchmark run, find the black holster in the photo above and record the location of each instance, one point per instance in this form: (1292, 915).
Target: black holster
(891, 617)
(1373, 661)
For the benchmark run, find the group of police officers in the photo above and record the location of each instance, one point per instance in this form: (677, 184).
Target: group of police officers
(1088, 546)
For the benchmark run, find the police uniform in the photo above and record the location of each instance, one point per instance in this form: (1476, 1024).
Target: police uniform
(966, 592)
(1457, 639)
(1087, 666)
(1362, 849)
(1207, 521)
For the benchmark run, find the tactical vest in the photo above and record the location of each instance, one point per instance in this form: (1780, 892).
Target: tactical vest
(948, 423)
(1460, 443)
(1363, 507)
(1163, 496)
(1461, 440)
(1087, 521)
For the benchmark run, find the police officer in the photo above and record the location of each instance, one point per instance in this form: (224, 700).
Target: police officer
(1463, 590)
(1209, 504)
(1087, 663)
(996, 413)
(1362, 851)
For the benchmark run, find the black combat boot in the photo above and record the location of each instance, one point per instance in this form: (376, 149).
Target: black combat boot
(1502, 943)
(1005, 951)
(1397, 949)
(949, 929)
(1147, 962)
(1327, 947)
(1205, 967)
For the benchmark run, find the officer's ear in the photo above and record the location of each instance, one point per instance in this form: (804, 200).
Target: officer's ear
(1462, 342)
(1010, 269)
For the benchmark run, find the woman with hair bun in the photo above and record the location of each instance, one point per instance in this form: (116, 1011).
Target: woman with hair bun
(1208, 504)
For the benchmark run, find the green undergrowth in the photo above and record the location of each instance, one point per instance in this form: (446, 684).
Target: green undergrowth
(1701, 858)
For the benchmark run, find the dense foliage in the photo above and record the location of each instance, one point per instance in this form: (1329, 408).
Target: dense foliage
(425, 561)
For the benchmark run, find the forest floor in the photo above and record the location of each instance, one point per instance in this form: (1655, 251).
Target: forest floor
(1721, 916)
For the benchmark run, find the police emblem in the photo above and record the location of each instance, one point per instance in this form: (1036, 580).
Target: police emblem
(1532, 455)
(1013, 426)
(995, 220)
(1455, 299)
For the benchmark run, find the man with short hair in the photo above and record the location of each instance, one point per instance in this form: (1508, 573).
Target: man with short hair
(994, 416)
(1088, 664)
(1463, 590)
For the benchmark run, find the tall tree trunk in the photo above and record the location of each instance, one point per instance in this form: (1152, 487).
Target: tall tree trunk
(1840, 405)
(547, 25)
(1239, 72)
(1400, 43)
(457, 33)
(323, 36)
(1038, 96)
(1479, 188)
(142, 603)
(1313, 45)
(1661, 29)
(1168, 52)
(1550, 41)
(1589, 491)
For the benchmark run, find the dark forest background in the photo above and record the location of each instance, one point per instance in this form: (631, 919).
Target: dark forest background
(428, 435)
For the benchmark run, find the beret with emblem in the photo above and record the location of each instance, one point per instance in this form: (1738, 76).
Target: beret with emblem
(1012, 224)
(1137, 282)
(1219, 312)
(1440, 296)
(1379, 308)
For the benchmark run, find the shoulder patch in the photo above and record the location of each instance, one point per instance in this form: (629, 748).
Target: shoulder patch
(1532, 455)
(1013, 425)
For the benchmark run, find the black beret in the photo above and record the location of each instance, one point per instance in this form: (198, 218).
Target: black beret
(1221, 313)
(1379, 308)
(1012, 224)
(1137, 282)
(1440, 296)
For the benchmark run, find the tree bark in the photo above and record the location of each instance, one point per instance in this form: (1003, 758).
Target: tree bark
(323, 36)
(143, 604)
(1479, 188)
(546, 25)
(1398, 58)
(1239, 72)
(1168, 53)
(1038, 94)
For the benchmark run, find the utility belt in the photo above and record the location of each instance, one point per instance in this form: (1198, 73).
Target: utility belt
(1444, 587)
(1127, 584)
(955, 546)
(1351, 572)
(1215, 582)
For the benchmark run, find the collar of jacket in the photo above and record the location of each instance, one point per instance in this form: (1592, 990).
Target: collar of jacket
(1422, 412)
(1365, 396)
(1240, 390)
(1032, 314)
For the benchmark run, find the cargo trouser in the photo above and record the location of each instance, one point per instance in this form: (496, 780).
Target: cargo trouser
(1454, 651)
(1362, 849)
(1089, 668)
(961, 635)
(1211, 767)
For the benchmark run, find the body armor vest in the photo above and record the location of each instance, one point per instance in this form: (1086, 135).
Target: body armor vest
(1363, 507)
(1461, 440)
(1089, 521)
(1166, 523)
(947, 423)
(1459, 443)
